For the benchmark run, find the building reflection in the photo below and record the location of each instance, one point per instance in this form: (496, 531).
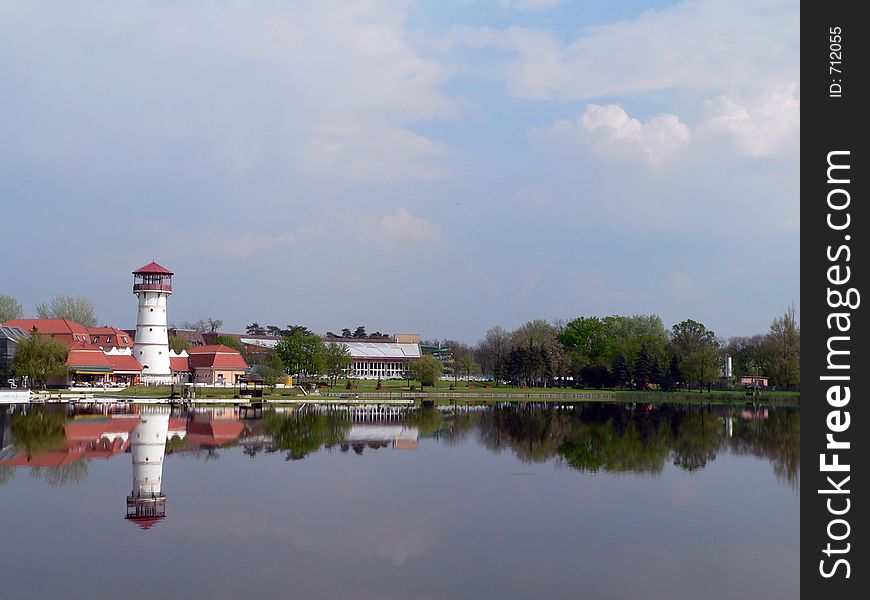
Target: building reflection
(146, 504)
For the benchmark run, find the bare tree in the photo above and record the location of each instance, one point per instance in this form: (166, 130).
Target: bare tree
(73, 308)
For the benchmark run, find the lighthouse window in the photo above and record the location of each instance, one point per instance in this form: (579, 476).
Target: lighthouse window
(151, 309)
(140, 353)
(150, 329)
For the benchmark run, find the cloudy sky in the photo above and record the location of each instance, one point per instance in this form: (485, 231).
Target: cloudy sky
(434, 166)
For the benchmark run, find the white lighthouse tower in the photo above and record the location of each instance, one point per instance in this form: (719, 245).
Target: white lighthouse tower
(146, 504)
(152, 284)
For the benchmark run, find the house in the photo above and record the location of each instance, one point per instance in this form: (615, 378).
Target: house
(754, 380)
(216, 364)
(97, 355)
(88, 366)
(126, 370)
(63, 330)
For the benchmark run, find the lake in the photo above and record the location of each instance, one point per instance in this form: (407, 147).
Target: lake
(591, 500)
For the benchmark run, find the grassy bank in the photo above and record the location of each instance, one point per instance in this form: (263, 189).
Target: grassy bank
(445, 392)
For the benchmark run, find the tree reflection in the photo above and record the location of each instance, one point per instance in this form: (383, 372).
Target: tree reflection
(777, 438)
(70, 473)
(698, 435)
(37, 431)
(640, 438)
(300, 434)
(609, 438)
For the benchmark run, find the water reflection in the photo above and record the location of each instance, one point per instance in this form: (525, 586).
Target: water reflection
(589, 437)
(146, 504)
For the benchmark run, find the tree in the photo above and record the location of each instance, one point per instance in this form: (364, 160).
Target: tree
(783, 349)
(467, 366)
(337, 361)
(426, 370)
(702, 366)
(208, 325)
(40, 358)
(490, 351)
(643, 368)
(543, 355)
(73, 308)
(301, 354)
(177, 344)
(10, 308)
(620, 371)
(360, 332)
(697, 351)
(255, 329)
(346, 333)
(273, 370)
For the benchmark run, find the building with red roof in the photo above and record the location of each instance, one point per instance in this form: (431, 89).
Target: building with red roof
(110, 337)
(216, 364)
(63, 330)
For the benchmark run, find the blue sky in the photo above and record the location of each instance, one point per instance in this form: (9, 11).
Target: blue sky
(437, 167)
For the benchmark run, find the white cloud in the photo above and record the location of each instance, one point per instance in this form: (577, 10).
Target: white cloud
(611, 131)
(766, 124)
(707, 44)
(403, 226)
(300, 89)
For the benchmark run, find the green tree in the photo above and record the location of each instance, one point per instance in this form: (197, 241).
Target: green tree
(177, 344)
(37, 431)
(621, 372)
(255, 329)
(337, 361)
(783, 349)
(467, 365)
(273, 370)
(10, 308)
(644, 367)
(40, 358)
(702, 367)
(697, 351)
(426, 370)
(302, 354)
(73, 308)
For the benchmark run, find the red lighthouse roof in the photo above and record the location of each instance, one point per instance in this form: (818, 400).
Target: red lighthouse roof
(152, 268)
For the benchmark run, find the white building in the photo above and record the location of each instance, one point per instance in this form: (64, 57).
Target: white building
(152, 284)
(381, 360)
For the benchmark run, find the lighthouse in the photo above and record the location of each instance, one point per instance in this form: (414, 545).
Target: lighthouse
(146, 504)
(152, 284)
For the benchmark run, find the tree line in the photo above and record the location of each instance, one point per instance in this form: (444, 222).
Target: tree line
(629, 351)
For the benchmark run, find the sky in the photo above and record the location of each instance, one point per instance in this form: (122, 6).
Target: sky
(437, 167)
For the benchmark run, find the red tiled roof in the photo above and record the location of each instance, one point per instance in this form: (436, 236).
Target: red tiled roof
(117, 336)
(216, 356)
(63, 330)
(179, 364)
(152, 268)
(123, 362)
(88, 358)
(48, 326)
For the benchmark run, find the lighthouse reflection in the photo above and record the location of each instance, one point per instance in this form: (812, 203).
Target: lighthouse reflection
(146, 504)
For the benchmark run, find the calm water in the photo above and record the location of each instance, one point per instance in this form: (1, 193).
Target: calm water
(590, 501)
